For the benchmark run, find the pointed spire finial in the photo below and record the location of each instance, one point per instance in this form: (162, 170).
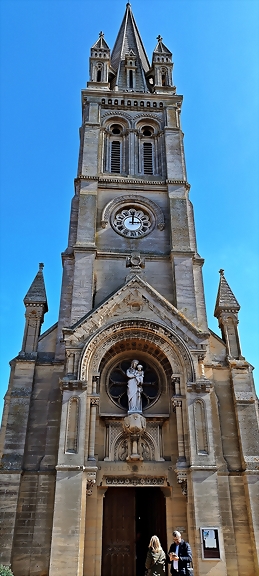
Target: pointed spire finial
(159, 38)
(128, 5)
(221, 271)
(41, 266)
(101, 34)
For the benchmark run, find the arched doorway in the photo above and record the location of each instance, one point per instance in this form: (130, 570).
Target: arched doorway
(130, 517)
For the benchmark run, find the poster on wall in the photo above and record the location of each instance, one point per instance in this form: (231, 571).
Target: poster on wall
(210, 543)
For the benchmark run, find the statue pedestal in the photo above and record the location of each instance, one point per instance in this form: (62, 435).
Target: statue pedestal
(134, 426)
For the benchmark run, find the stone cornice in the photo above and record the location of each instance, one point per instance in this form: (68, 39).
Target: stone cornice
(131, 180)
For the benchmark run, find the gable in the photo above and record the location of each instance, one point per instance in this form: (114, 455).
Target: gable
(136, 300)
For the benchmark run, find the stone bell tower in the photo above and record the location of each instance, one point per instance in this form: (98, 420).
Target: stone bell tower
(134, 418)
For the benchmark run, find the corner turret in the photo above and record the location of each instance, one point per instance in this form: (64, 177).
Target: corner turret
(160, 75)
(36, 306)
(99, 65)
(226, 310)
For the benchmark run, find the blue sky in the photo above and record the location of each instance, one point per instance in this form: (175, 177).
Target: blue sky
(45, 48)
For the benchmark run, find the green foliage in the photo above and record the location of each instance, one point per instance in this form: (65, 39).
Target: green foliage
(4, 571)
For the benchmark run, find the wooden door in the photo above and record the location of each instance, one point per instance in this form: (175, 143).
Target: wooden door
(118, 547)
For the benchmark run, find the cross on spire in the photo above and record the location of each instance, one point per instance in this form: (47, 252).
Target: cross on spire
(159, 38)
(101, 34)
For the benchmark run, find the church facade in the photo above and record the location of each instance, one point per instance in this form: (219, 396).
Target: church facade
(129, 417)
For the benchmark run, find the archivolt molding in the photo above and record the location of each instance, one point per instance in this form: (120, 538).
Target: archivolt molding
(149, 115)
(170, 343)
(133, 199)
(115, 115)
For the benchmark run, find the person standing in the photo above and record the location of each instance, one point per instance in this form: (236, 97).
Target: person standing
(156, 558)
(179, 555)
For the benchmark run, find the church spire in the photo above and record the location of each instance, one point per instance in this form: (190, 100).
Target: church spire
(226, 310)
(129, 58)
(36, 306)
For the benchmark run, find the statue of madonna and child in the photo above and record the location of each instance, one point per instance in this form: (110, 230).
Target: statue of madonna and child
(135, 376)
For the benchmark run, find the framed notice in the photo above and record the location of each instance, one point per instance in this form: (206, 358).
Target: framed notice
(210, 543)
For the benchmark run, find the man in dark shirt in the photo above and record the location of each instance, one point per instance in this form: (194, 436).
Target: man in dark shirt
(179, 555)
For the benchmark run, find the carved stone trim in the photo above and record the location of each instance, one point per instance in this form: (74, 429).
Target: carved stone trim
(244, 397)
(72, 385)
(90, 480)
(135, 481)
(177, 403)
(94, 400)
(202, 385)
(182, 480)
(140, 329)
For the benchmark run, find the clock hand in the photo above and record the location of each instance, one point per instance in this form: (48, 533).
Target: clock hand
(132, 221)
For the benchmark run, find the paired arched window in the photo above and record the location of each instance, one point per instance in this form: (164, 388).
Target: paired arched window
(138, 151)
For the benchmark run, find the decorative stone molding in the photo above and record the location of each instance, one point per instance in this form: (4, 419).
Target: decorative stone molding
(182, 480)
(201, 385)
(94, 400)
(135, 262)
(119, 445)
(91, 472)
(171, 181)
(176, 403)
(117, 114)
(134, 426)
(244, 397)
(252, 462)
(139, 329)
(135, 481)
(72, 385)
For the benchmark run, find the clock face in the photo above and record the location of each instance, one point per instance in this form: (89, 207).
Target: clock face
(132, 222)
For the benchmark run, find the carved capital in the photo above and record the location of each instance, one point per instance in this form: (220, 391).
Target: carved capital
(182, 480)
(201, 385)
(94, 400)
(176, 402)
(72, 385)
(90, 481)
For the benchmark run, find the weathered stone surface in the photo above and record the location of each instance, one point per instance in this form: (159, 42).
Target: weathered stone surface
(131, 291)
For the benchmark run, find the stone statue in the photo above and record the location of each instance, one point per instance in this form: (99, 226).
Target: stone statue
(135, 376)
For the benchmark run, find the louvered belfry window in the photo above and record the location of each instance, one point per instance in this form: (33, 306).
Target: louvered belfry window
(148, 158)
(116, 156)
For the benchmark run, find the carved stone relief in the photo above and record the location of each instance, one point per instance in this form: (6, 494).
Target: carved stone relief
(119, 446)
(137, 329)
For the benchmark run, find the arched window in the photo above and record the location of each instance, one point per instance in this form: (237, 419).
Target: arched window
(99, 76)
